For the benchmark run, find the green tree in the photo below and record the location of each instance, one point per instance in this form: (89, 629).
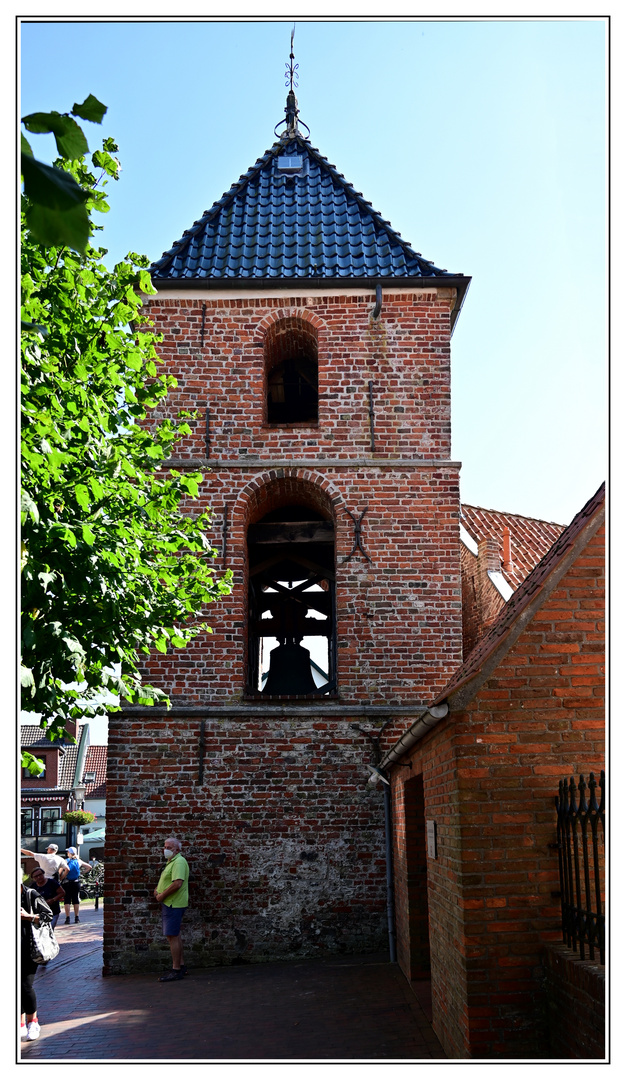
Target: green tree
(114, 560)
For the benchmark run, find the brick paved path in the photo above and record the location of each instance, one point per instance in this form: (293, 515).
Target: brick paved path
(340, 1009)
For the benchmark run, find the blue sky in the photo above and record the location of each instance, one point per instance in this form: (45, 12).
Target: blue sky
(483, 142)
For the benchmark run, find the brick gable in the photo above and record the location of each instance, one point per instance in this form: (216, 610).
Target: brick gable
(526, 710)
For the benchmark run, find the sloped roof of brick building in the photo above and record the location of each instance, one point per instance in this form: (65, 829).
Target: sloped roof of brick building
(523, 596)
(531, 538)
(293, 216)
(96, 761)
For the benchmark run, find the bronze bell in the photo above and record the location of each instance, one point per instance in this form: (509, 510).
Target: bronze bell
(290, 671)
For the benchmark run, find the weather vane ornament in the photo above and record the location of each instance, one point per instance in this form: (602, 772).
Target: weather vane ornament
(291, 69)
(291, 108)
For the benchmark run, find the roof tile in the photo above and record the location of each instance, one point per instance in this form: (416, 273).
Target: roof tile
(530, 538)
(522, 597)
(96, 761)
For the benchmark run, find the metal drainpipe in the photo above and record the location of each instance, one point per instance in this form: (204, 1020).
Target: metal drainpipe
(379, 301)
(389, 866)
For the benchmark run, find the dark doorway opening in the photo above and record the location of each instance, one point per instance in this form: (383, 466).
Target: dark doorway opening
(417, 878)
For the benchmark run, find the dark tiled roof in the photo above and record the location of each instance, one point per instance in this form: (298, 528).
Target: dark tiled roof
(32, 735)
(523, 596)
(530, 538)
(309, 224)
(96, 761)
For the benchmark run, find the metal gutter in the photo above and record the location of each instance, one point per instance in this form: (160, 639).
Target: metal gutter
(424, 723)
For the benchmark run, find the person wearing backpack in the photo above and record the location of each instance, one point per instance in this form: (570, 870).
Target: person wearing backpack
(71, 884)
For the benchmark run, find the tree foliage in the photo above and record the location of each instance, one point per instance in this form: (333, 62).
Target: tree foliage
(57, 212)
(114, 564)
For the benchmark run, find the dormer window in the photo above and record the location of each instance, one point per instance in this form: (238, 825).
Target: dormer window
(89, 778)
(291, 373)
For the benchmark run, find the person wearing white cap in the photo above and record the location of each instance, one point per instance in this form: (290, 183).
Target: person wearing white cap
(51, 863)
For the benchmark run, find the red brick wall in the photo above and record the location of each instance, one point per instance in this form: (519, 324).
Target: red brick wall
(538, 718)
(399, 617)
(398, 624)
(481, 600)
(575, 1004)
(434, 758)
(51, 778)
(285, 837)
(406, 353)
(472, 623)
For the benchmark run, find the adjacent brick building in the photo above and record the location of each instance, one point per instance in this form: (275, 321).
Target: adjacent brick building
(524, 710)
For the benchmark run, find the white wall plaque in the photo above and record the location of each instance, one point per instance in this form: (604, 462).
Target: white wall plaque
(431, 839)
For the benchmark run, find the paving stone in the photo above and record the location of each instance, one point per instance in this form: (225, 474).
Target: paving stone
(337, 1009)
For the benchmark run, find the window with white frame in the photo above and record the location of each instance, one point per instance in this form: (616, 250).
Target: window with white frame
(50, 822)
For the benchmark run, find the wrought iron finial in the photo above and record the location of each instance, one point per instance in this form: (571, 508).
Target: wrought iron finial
(291, 69)
(291, 108)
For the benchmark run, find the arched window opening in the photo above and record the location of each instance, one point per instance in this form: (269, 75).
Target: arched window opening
(291, 373)
(291, 630)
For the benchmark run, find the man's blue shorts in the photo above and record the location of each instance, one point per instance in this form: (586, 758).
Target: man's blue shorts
(172, 917)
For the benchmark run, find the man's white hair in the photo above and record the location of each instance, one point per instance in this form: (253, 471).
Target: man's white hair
(54, 848)
(173, 840)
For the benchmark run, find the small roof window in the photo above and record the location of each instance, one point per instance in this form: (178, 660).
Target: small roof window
(289, 164)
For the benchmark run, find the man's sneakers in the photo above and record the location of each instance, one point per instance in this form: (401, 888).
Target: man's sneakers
(67, 921)
(76, 919)
(172, 976)
(33, 1031)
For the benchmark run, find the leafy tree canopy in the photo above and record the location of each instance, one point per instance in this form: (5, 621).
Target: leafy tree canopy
(114, 564)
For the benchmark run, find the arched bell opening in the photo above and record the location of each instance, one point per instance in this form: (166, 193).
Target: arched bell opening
(291, 604)
(291, 373)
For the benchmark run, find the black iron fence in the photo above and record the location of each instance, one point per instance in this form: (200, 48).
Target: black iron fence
(581, 843)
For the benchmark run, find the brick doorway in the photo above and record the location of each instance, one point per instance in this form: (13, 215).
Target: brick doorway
(417, 881)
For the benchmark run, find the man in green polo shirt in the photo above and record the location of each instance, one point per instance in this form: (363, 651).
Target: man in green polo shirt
(172, 894)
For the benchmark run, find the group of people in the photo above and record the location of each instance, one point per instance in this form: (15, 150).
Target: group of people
(56, 880)
(61, 880)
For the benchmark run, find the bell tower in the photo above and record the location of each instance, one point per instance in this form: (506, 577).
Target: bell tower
(313, 343)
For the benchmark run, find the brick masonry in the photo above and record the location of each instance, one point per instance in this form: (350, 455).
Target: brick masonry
(490, 773)
(575, 991)
(284, 837)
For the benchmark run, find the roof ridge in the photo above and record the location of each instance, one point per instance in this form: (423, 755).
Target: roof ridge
(512, 513)
(525, 593)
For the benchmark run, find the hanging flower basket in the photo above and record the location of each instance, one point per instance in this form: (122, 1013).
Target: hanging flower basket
(78, 817)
